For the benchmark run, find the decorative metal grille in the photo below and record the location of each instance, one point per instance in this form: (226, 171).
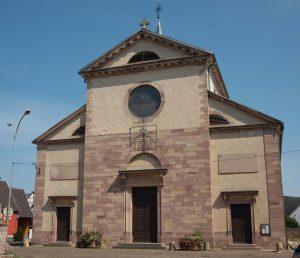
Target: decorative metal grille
(143, 138)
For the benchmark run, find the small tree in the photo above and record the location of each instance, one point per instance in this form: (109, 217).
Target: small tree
(291, 222)
(19, 235)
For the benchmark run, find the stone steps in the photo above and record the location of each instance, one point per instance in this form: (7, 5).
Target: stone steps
(59, 243)
(157, 246)
(243, 247)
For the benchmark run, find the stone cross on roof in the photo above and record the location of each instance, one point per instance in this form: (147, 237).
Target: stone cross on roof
(144, 24)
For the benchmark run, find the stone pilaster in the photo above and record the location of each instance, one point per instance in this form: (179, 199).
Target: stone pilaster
(274, 185)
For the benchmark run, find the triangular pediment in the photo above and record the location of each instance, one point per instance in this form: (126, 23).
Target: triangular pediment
(64, 129)
(143, 40)
(237, 114)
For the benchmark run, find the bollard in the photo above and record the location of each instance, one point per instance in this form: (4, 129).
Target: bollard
(26, 242)
(206, 246)
(279, 246)
(172, 246)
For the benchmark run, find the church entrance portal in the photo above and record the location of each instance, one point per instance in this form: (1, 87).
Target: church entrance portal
(144, 219)
(241, 223)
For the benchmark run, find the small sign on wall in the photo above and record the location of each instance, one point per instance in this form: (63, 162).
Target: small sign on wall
(265, 229)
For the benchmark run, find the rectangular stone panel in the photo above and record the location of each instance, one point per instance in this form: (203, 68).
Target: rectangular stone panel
(237, 163)
(65, 171)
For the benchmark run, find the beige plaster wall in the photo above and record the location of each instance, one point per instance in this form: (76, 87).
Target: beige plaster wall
(233, 143)
(68, 155)
(108, 105)
(232, 114)
(66, 131)
(145, 45)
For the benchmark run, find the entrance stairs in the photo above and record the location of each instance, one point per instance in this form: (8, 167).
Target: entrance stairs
(59, 243)
(242, 247)
(158, 246)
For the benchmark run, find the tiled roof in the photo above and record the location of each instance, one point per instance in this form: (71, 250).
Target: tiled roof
(4, 191)
(19, 201)
(20, 198)
(290, 204)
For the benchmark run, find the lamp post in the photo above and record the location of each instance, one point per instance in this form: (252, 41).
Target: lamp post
(27, 112)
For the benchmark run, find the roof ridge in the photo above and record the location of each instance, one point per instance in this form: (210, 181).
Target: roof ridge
(178, 41)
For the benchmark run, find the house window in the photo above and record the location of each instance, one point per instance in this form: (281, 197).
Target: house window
(143, 56)
(144, 101)
(217, 120)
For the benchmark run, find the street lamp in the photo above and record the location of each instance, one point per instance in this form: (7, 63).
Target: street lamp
(27, 112)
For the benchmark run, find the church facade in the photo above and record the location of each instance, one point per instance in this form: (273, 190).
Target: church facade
(158, 151)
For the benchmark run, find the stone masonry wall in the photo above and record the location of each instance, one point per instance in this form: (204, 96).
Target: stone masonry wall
(185, 196)
(38, 236)
(275, 194)
(5, 248)
(186, 204)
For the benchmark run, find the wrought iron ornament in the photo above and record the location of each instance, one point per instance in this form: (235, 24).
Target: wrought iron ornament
(143, 138)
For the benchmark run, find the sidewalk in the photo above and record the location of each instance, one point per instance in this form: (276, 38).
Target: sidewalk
(68, 252)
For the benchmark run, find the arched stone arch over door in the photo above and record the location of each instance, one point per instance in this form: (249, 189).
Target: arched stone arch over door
(144, 161)
(142, 183)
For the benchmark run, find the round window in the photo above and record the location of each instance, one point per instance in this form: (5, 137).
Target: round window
(144, 101)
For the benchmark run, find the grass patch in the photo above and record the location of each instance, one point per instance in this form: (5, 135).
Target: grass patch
(294, 239)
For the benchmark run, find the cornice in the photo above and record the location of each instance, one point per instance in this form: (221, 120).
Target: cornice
(241, 127)
(60, 141)
(145, 66)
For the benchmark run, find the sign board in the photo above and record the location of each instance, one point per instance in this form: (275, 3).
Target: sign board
(265, 230)
(9, 211)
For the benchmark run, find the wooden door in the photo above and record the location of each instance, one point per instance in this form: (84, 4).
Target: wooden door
(144, 214)
(241, 223)
(63, 223)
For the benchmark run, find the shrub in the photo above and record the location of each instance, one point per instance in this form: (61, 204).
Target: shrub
(89, 239)
(193, 241)
(18, 236)
(198, 238)
(291, 222)
(186, 240)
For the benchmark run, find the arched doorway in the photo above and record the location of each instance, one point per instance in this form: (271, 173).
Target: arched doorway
(142, 181)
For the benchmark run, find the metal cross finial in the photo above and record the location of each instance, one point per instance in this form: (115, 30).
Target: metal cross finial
(158, 9)
(144, 24)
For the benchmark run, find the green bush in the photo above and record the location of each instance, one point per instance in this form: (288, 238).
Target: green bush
(193, 241)
(18, 236)
(291, 222)
(186, 240)
(198, 238)
(89, 239)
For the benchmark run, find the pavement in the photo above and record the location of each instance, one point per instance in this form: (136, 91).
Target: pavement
(69, 252)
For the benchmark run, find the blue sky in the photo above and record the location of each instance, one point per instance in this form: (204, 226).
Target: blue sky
(43, 43)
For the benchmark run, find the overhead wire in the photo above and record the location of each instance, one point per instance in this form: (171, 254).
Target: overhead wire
(163, 165)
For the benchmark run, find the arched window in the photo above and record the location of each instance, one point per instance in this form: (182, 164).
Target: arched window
(217, 120)
(79, 131)
(143, 56)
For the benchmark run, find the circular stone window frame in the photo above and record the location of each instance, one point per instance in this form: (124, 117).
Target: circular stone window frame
(156, 113)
